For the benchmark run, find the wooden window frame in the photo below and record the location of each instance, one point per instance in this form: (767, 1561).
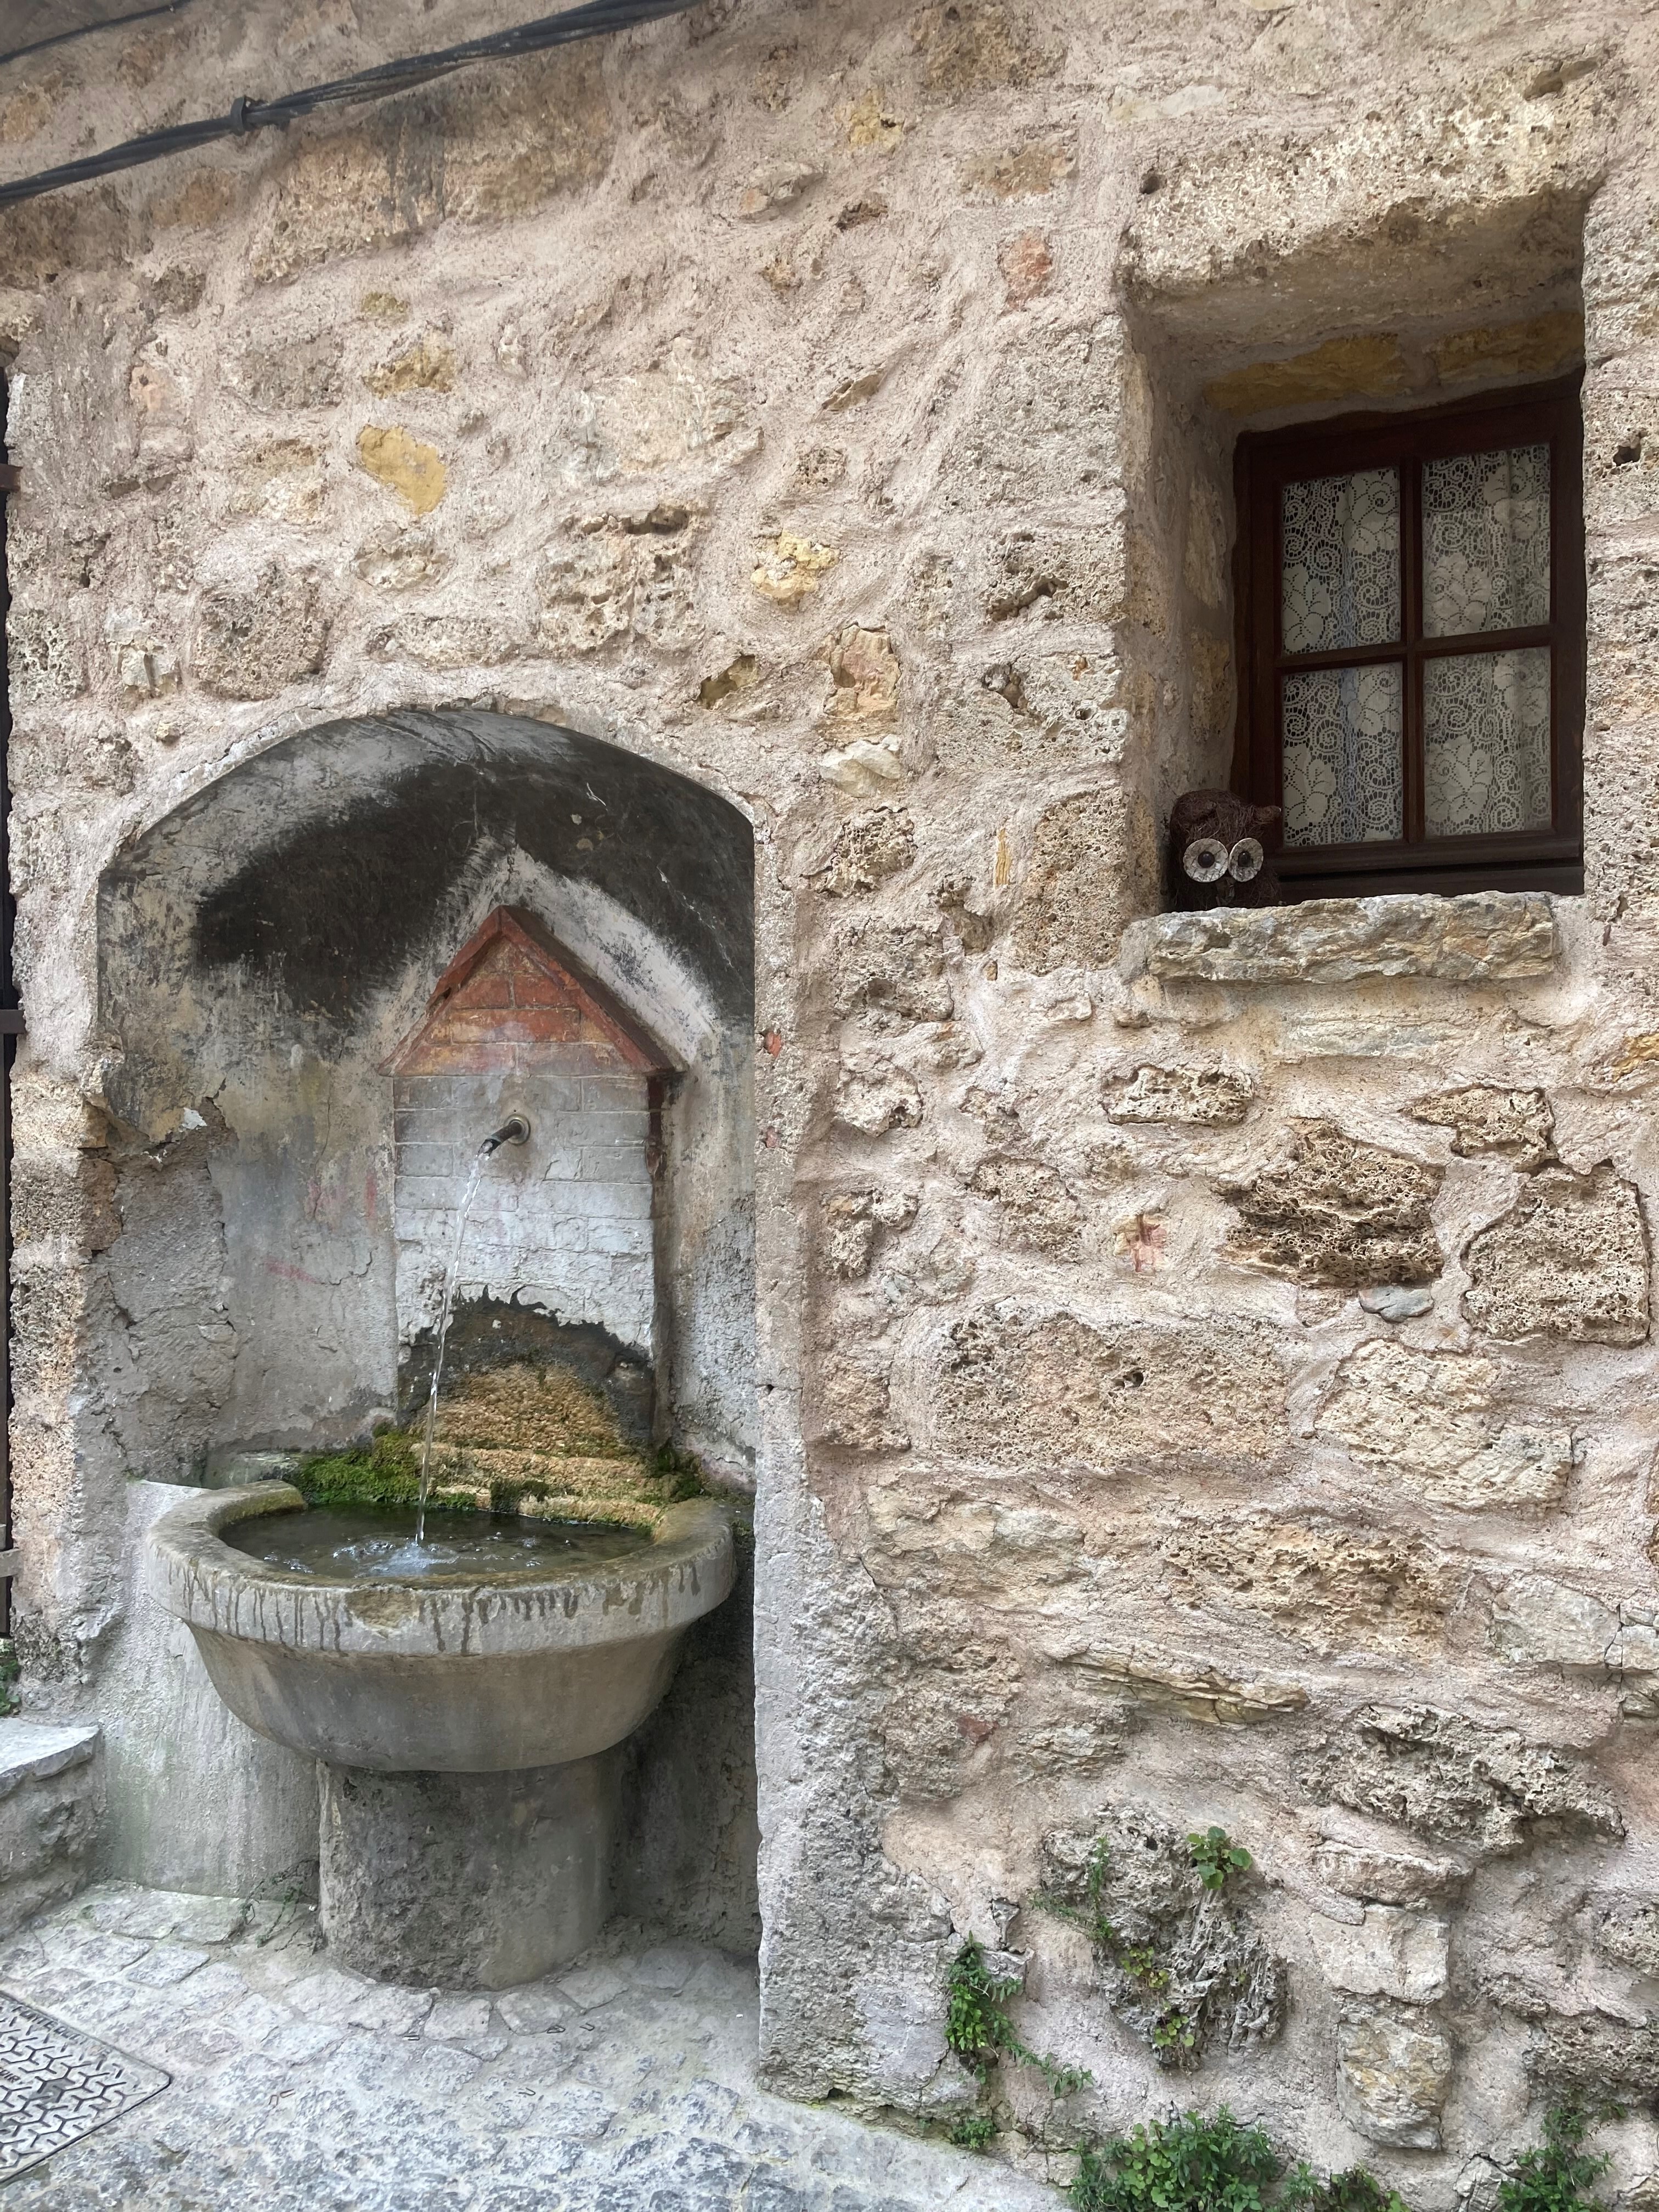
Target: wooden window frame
(1549, 859)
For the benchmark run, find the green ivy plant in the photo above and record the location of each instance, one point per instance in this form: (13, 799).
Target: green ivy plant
(1216, 1855)
(1555, 2175)
(979, 2030)
(1194, 2163)
(1188, 2163)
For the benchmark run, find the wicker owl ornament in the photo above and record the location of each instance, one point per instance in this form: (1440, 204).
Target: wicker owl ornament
(1221, 851)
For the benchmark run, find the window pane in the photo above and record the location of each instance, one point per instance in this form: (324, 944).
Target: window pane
(1486, 541)
(1342, 554)
(1486, 742)
(1342, 773)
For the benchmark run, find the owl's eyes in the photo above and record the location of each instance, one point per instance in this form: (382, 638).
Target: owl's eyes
(1206, 860)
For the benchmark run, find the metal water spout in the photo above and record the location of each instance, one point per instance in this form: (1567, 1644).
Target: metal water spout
(513, 1131)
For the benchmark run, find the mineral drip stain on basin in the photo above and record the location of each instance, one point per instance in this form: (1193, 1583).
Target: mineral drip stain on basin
(350, 1544)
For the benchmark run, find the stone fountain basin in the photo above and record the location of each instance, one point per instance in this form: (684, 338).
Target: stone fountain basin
(532, 1669)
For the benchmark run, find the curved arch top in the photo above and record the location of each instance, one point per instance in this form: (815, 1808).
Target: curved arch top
(310, 873)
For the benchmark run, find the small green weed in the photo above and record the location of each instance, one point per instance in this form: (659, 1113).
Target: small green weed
(1216, 1855)
(1556, 2175)
(1188, 2163)
(10, 1704)
(1090, 1918)
(1140, 1963)
(1174, 2035)
(1352, 2191)
(980, 2032)
(974, 2131)
(976, 2027)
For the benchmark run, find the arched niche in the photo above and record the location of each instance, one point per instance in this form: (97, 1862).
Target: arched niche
(264, 951)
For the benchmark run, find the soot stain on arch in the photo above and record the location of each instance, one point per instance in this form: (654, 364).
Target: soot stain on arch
(327, 913)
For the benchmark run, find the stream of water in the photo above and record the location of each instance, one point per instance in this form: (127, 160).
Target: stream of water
(452, 1277)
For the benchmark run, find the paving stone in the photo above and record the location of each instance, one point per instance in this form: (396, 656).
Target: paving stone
(167, 1964)
(159, 1912)
(329, 1994)
(591, 1986)
(534, 2009)
(302, 2088)
(300, 2041)
(456, 2019)
(669, 1968)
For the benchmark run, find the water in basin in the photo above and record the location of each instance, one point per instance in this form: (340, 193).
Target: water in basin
(367, 1543)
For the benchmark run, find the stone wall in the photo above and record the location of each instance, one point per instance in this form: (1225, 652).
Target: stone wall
(1206, 1377)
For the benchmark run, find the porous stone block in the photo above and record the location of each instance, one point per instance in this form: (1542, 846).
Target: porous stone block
(1338, 1211)
(1186, 1683)
(250, 644)
(1214, 1097)
(1482, 936)
(868, 850)
(1020, 1385)
(1517, 1125)
(1568, 1259)
(51, 1802)
(1453, 1779)
(1537, 1621)
(302, 373)
(1332, 1585)
(875, 1095)
(495, 148)
(1039, 1213)
(466, 1881)
(1593, 2058)
(1076, 891)
(1392, 2074)
(1429, 1419)
(1392, 1954)
(1380, 1877)
(1628, 1934)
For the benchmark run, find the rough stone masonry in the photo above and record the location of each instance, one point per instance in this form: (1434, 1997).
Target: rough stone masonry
(1202, 1370)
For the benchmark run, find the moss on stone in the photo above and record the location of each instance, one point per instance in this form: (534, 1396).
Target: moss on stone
(523, 1439)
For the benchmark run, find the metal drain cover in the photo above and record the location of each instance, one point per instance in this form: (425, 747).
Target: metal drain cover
(57, 2085)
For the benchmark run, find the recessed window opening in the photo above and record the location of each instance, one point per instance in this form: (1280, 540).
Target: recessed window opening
(1412, 646)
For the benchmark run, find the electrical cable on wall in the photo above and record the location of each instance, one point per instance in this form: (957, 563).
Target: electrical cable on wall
(593, 20)
(86, 30)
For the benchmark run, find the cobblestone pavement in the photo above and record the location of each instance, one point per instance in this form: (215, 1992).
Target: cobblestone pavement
(625, 2084)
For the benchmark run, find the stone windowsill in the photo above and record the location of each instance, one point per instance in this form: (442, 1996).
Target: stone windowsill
(1483, 937)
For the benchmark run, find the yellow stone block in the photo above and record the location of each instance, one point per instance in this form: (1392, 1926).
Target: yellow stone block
(790, 567)
(415, 471)
(1341, 368)
(1546, 346)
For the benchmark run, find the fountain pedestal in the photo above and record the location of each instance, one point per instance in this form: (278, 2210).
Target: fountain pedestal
(466, 1881)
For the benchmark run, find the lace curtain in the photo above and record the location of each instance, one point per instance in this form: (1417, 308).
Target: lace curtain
(1485, 715)
(1341, 556)
(1341, 734)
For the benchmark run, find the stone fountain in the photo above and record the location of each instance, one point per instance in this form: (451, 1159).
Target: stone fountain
(463, 1727)
(464, 1689)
